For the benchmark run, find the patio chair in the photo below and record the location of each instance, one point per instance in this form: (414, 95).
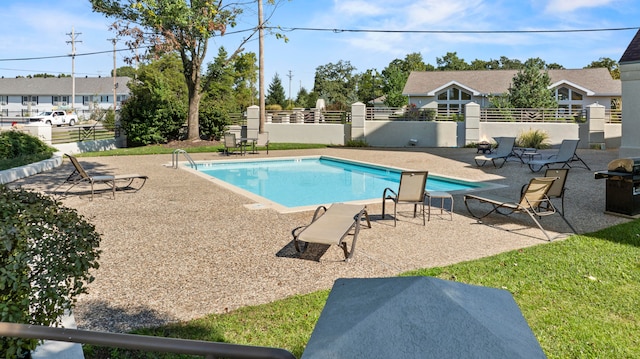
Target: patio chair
(534, 202)
(566, 153)
(258, 139)
(557, 188)
(79, 175)
(503, 152)
(411, 190)
(331, 226)
(232, 145)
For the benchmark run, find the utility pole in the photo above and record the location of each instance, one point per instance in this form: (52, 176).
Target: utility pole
(290, 75)
(73, 41)
(263, 113)
(115, 84)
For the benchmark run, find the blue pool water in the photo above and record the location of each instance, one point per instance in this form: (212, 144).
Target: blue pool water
(315, 181)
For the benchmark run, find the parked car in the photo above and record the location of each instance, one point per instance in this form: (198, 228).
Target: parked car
(57, 118)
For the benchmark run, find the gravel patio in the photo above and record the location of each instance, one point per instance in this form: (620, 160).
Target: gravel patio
(183, 247)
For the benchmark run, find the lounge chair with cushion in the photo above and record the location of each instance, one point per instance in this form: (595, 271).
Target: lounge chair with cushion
(331, 226)
(534, 202)
(557, 188)
(566, 154)
(117, 182)
(411, 190)
(503, 152)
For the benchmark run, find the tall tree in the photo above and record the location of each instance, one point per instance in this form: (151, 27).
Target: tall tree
(531, 87)
(369, 86)
(451, 62)
(608, 63)
(336, 84)
(184, 26)
(395, 76)
(245, 80)
(302, 99)
(156, 110)
(275, 94)
(219, 81)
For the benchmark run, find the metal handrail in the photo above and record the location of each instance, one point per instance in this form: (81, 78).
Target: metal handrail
(143, 342)
(176, 154)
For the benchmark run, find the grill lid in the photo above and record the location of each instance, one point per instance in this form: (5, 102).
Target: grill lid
(627, 165)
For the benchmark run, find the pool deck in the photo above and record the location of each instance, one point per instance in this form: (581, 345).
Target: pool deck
(183, 247)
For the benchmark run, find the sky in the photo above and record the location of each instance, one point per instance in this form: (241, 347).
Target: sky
(35, 29)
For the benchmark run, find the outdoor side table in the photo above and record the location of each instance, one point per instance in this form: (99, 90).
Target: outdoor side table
(531, 154)
(430, 195)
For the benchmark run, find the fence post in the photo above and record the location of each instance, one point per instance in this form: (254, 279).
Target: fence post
(472, 123)
(42, 131)
(595, 121)
(358, 115)
(253, 119)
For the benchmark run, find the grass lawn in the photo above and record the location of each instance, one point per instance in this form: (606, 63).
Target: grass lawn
(580, 296)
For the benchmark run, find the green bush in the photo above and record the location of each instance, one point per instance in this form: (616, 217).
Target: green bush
(213, 122)
(533, 139)
(356, 143)
(46, 253)
(18, 149)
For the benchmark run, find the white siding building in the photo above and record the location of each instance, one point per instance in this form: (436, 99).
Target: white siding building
(449, 91)
(20, 97)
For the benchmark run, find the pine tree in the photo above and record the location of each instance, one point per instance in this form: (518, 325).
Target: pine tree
(275, 94)
(531, 87)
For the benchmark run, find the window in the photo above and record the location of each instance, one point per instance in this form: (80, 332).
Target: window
(452, 100)
(104, 99)
(570, 100)
(29, 100)
(562, 94)
(60, 100)
(4, 100)
(88, 100)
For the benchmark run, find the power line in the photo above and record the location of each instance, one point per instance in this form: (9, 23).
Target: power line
(450, 31)
(336, 30)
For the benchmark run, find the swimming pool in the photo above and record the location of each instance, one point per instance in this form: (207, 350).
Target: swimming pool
(292, 184)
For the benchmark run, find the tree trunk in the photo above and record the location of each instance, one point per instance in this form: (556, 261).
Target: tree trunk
(193, 119)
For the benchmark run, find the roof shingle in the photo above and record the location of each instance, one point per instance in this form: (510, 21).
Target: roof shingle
(54, 86)
(597, 80)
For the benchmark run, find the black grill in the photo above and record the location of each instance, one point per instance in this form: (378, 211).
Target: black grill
(623, 186)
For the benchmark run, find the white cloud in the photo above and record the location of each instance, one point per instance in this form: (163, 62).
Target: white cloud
(555, 6)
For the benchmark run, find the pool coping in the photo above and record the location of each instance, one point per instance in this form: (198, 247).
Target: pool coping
(264, 203)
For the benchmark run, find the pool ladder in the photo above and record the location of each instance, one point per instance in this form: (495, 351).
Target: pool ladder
(176, 154)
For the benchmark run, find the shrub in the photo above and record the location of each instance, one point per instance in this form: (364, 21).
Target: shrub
(213, 122)
(18, 149)
(274, 107)
(533, 139)
(46, 253)
(356, 143)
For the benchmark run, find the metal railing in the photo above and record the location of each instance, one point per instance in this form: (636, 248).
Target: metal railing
(80, 133)
(176, 154)
(412, 114)
(555, 115)
(612, 116)
(208, 350)
(309, 116)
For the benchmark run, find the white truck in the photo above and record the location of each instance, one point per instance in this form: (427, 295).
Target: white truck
(57, 118)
